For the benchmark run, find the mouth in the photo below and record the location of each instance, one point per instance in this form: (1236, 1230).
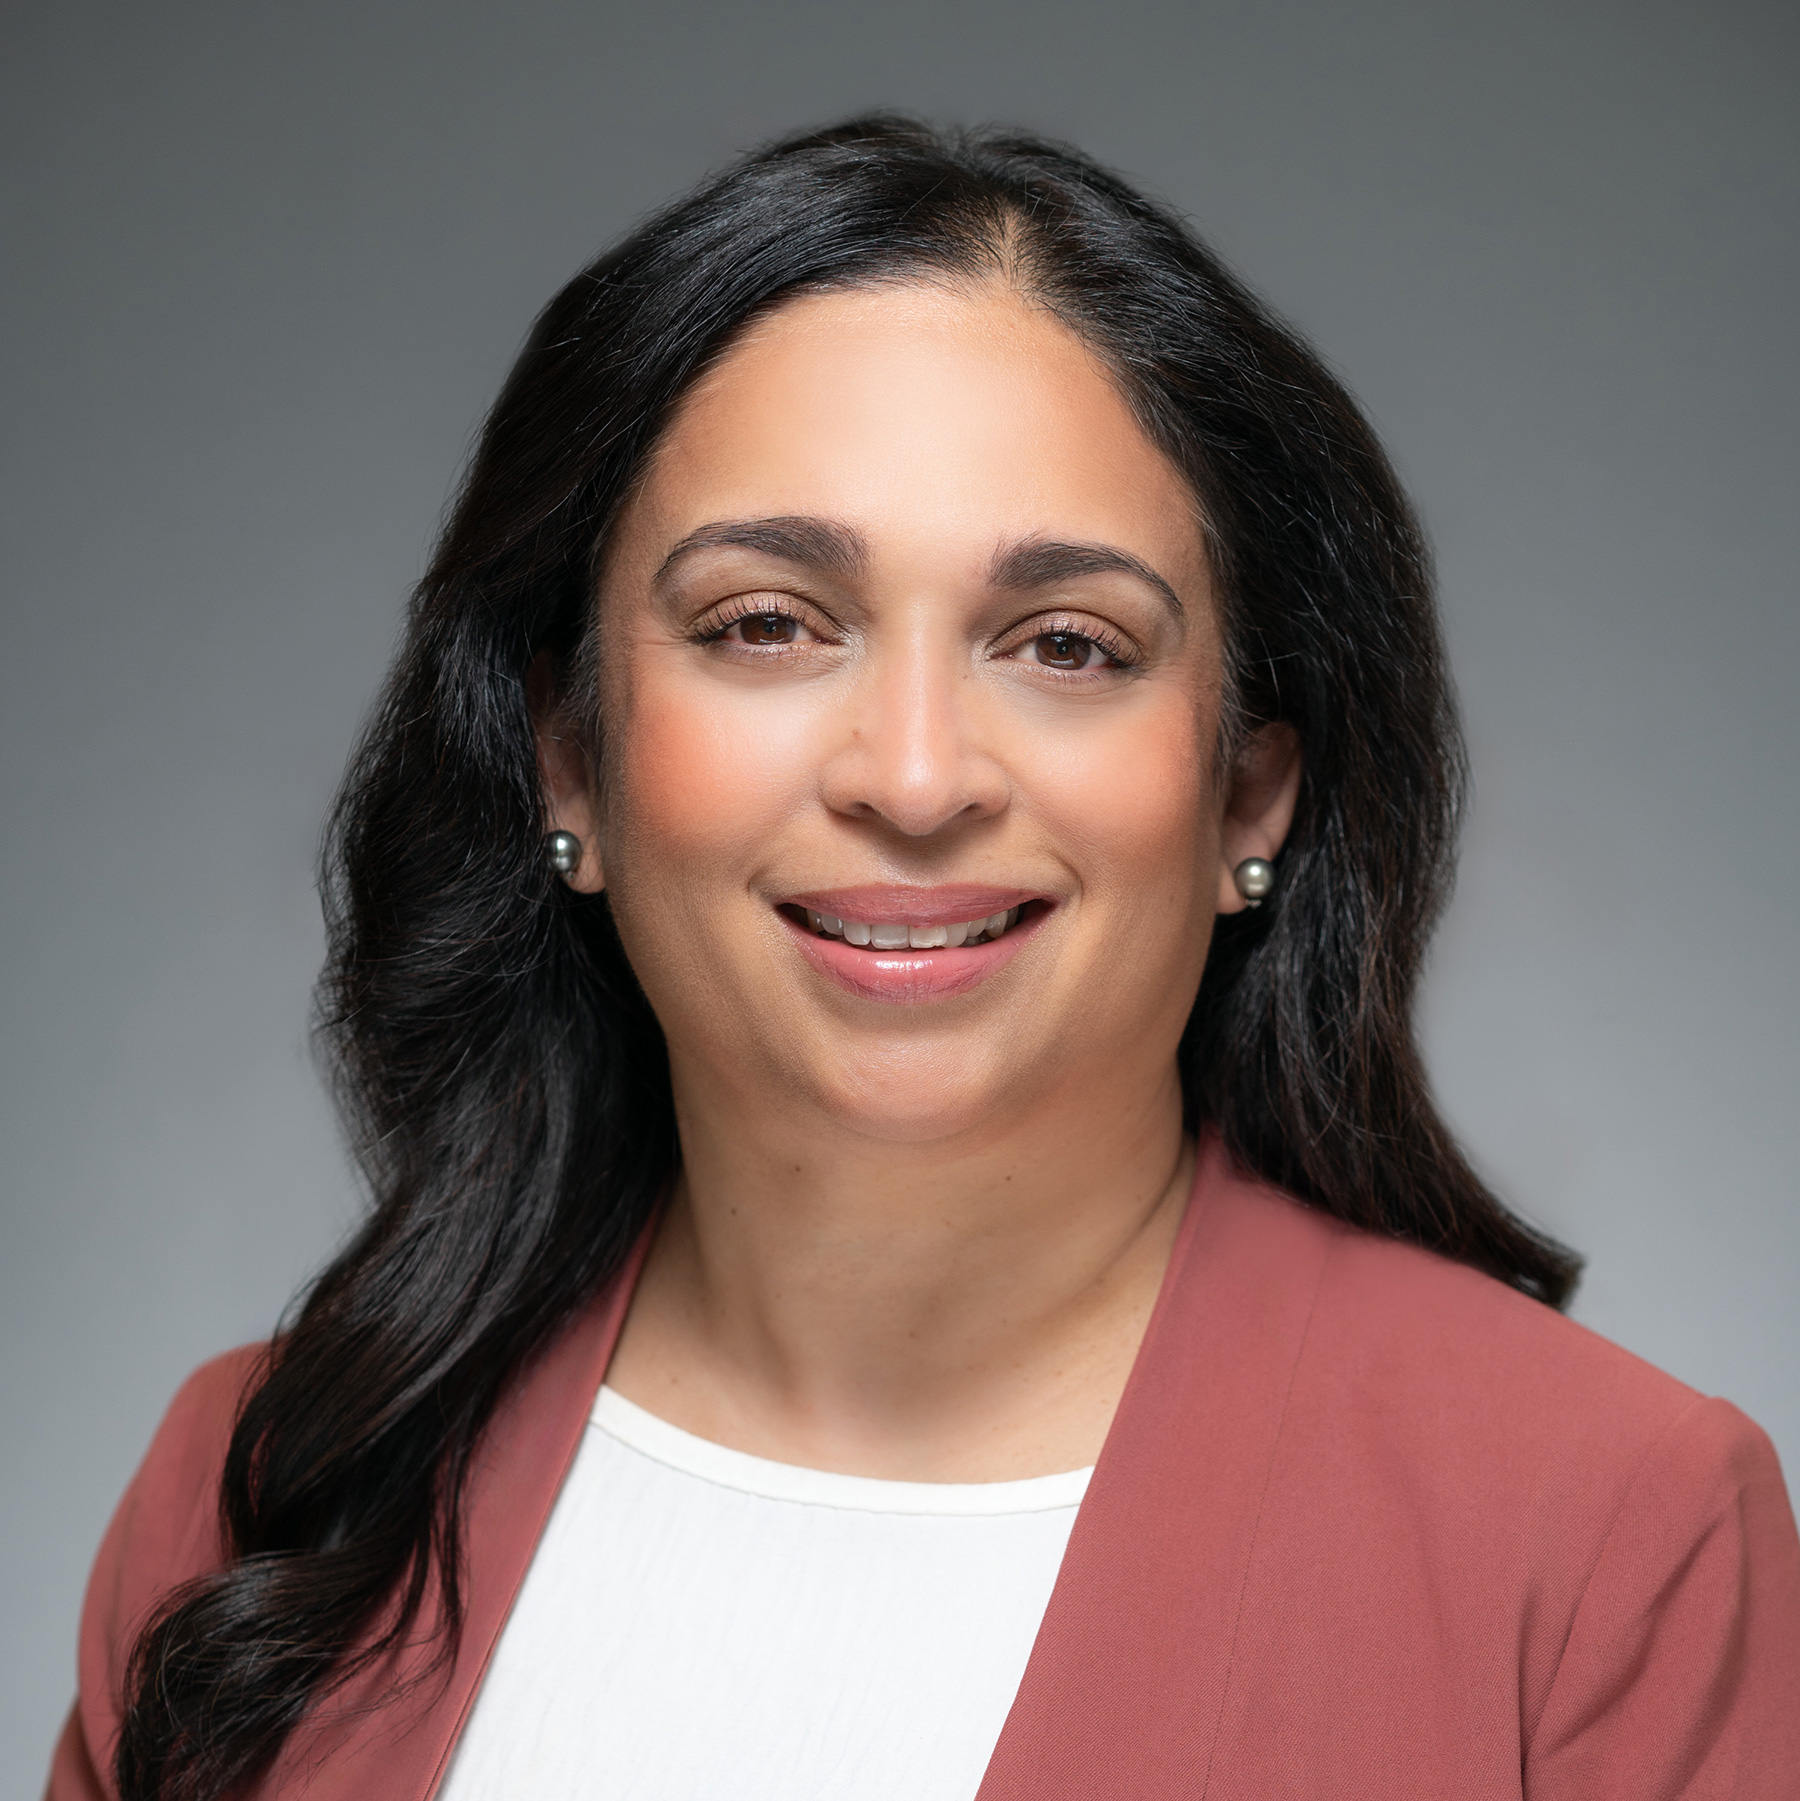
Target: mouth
(913, 944)
(900, 935)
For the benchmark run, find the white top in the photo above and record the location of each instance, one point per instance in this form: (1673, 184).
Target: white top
(698, 1623)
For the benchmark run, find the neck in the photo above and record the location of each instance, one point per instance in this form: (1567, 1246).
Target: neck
(964, 1309)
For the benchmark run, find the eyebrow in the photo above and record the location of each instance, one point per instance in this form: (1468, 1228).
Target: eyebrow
(811, 543)
(824, 544)
(1040, 562)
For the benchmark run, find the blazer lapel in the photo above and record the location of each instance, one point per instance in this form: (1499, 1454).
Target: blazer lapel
(401, 1752)
(1123, 1693)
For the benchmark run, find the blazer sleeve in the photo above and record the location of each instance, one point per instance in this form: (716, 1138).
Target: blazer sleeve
(1680, 1680)
(165, 1531)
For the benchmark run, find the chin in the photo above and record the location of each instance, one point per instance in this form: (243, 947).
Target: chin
(919, 1100)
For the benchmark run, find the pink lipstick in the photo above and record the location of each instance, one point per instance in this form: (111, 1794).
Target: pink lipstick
(893, 942)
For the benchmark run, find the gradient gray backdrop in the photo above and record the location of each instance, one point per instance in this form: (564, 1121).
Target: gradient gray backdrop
(265, 267)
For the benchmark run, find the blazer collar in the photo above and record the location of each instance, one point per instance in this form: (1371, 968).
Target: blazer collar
(1126, 1682)
(401, 1749)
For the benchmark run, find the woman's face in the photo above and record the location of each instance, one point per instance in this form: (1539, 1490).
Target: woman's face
(910, 674)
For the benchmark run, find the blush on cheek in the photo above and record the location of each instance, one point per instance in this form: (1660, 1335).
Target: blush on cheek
(700, 783)
(1132, 802)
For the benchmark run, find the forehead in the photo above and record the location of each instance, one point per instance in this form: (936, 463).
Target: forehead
(932, 420)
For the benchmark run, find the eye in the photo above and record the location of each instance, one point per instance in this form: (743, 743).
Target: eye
(765, 628)
(1070, 652)
(1062, 650)
(744, 623)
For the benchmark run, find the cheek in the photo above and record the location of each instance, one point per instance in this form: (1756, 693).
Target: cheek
(1130, 798)
(696, 783)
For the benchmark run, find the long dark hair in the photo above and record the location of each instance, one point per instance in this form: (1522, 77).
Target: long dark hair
(505, 1080)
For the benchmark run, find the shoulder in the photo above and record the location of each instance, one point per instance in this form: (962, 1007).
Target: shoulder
(164, 1532)
(1422, 1328)
(1436, 1376)
(1622, 1543)
(187, 1450)
(166, 1528)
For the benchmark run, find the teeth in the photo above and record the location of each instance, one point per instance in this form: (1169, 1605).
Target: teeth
(893, 937)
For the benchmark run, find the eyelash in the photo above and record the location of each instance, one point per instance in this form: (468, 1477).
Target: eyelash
(720, 619)
(1108, 643)
(711, 629)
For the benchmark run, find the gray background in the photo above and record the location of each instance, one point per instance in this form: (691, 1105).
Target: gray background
(265, 267)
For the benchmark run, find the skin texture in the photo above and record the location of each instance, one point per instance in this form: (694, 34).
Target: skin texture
(922, 1239)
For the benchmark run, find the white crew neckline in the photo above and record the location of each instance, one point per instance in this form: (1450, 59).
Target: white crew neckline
(666, 1444)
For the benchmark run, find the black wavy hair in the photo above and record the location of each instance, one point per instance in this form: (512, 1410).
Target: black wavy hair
(504, 1079)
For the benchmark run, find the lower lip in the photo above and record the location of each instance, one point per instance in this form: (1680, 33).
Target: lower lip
(912, 976)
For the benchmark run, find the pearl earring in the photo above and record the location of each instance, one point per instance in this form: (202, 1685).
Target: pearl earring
(564, 851)
(1254, 878)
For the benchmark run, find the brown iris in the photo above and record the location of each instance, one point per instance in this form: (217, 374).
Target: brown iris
(1062, 650)
(767, 628)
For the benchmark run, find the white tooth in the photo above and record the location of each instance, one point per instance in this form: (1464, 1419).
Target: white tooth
(955, 935)
(996, 924)
(1012, 916)
(832, 924)
(888, 937)
(927, 938)
(812, 920)
(855, 932)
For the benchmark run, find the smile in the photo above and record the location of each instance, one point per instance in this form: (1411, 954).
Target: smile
(894, 943)
(893, 935)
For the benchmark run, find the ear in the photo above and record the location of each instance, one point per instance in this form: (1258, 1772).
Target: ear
(1259, 804)
(566, 774)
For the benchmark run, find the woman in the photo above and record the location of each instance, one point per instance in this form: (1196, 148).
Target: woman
(873, 938)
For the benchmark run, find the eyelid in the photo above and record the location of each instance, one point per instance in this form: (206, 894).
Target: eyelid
(756, 603)
(1077, 625)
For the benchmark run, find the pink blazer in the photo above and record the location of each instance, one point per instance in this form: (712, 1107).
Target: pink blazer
(1367, 1524)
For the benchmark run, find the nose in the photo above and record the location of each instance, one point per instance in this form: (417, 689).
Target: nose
(913, 743)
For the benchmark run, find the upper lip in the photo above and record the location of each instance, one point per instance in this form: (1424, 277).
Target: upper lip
(891, 903)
